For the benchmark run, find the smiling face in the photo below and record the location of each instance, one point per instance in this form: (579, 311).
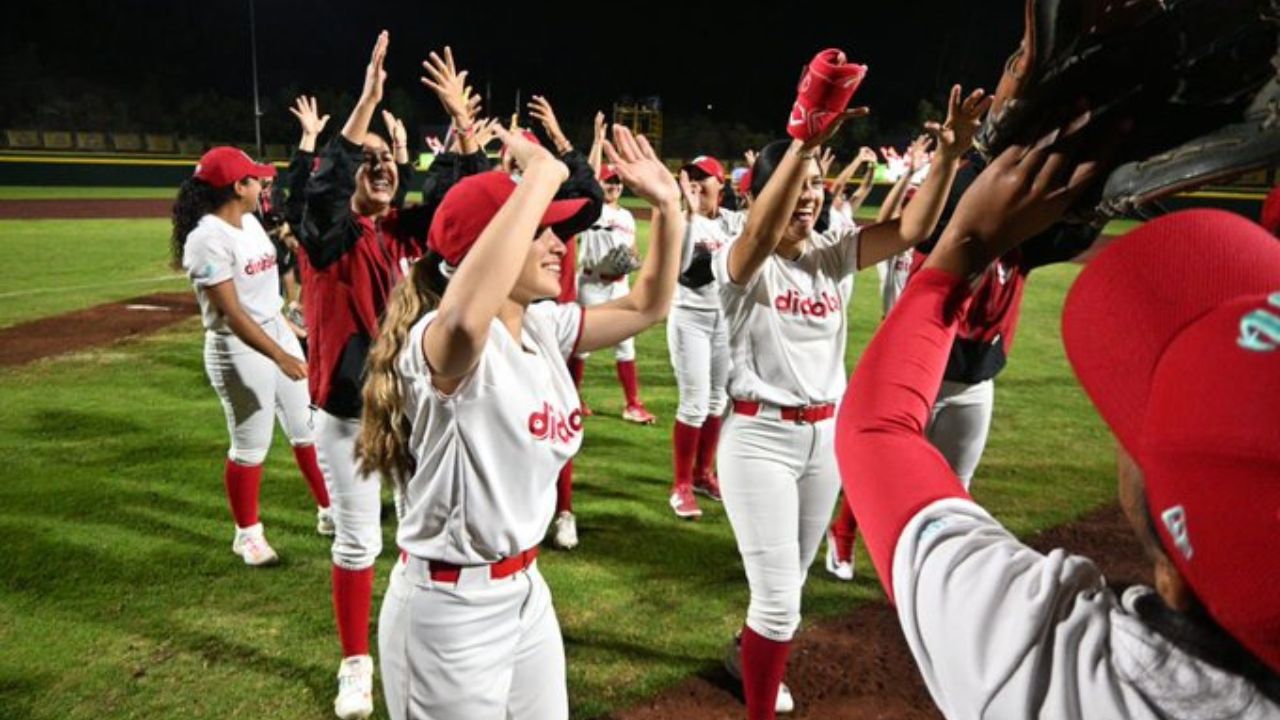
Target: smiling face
(707, 188)
(540, 276)
(612, 191)
(376, 178)
(805, 214)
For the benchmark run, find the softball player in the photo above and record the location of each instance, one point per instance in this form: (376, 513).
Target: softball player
(785, 291)
(698, 340)
(604, 278)
(358, 243)
(468, 380)
(252, 359)
(1191, 300)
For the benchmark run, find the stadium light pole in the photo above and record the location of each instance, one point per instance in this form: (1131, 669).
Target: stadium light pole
(257, 106)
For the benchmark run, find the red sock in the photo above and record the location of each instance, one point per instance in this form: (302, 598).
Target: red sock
(764, 662)
(577, 366)
(564, 488)
(352, 598)
(845, 528)
(708, 441)
(630, 385)
(310, 467)
(242, 483)
(684, 441)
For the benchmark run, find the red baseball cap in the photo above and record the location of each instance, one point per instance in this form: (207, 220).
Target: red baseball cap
(607, 173)
(1271, 211)
(707, 165)
(468, 207)
(225, 165)
(1174, 332)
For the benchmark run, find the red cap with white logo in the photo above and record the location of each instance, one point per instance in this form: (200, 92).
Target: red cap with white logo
(707, 165)
(468, 207)
(225, 165)
(1174, 332)
(607, 173)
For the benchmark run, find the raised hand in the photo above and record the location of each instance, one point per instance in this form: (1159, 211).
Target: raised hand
(305, 109)
(825, 159)
(600, 128)
(525, 153)
(435, 145)
(486, 131)
(397, 135)
(692, 200)
(639, 167)
(821, 138)
(918, 152)
(750, 156)
(374, 74)
(964, 117)
(867, 155)
(540, 110)
(450, 86)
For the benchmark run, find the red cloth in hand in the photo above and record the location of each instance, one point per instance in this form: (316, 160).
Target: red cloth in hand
(824, 92)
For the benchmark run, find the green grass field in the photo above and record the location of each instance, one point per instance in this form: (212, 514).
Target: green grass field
(120, 598)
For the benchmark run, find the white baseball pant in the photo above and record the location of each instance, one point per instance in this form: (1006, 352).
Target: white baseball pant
(959, 424)
(253, 391)
(894, 273)
(698, 341)
(592, 292)
(355, 499)
(779, 482)
(482, 649)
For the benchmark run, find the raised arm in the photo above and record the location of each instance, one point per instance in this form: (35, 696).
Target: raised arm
(954, 138)
(370, 95)
(596, 156)
(866, 184)
(540, 110)
(484, 279)
(655, 283)
(450, 86)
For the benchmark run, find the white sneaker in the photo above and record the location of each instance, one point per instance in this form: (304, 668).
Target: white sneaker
(564, 533)
(324, 522)
(733, 665)
(355, 688)
(841, 568)
(251, 544)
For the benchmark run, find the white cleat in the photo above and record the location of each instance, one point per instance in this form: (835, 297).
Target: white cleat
(251, 545)
(564, 531)
(355, 688)
(840, 567)
(324, 522)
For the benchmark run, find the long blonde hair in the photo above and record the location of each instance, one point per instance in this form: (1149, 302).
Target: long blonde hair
(383, 445)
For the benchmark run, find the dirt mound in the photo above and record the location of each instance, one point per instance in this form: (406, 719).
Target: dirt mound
(858, 667)
(98, 325)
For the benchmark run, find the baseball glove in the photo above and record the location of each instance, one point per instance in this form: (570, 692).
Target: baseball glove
(620, 260)
(1195, 84)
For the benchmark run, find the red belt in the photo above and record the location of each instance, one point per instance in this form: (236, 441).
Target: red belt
(806, 414)
(444, 572)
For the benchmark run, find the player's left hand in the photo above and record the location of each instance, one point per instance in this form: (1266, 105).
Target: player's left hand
(395, 129)
(964, 117)
(639, 167)
(374, 74)
(540, 110)
(450, 86)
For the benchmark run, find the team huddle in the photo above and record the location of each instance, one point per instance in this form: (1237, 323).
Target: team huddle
(438, 348)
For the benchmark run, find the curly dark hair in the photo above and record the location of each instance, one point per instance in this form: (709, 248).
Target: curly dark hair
(196, 198)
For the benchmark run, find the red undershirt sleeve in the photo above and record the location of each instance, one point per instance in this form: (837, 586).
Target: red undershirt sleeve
(889, 470)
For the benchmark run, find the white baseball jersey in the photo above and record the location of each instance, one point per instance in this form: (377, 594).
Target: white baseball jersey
(841, 221)
(488, 454)
(709, 235)
(616, 227)
(216, 252)
(1001, 631)
(788, 325)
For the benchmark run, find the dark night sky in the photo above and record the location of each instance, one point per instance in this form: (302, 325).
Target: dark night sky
(741, 61)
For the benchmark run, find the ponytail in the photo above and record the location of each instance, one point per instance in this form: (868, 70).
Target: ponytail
(383, 446)
(196, 198)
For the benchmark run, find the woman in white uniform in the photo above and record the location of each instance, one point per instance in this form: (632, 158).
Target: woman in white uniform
(470, 407)
(785, 293)
(252, 358)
